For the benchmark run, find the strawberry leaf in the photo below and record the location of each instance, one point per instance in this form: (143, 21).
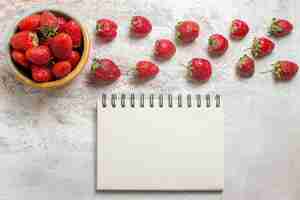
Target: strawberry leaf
(255, 48)
(277, 70)
(177, 36)
(98, 27)
(275, 29)
(232, 28)
(95, 65)
(47, 32)
(212, 42)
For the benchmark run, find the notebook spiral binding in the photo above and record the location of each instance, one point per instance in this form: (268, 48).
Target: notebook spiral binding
(143, 100)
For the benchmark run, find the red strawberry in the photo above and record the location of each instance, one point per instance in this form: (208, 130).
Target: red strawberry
(46, 42)
(61, 69)
(24, 40)
(40, 55)
(61, 46)
(48, 24)
(285, 70)
(146, 69)
(217, 44)
(187, 31)
(20, 58)
(48, 19)
(106, 29)
(74, 30)
(105, 70)
(280, 27)
(30, 23)
(199, 69)
(261, 47)
(74, 58)
(140, 26)
(239, 29)
(61, 21)
(41, 73)
(246, 66)
(164, 49)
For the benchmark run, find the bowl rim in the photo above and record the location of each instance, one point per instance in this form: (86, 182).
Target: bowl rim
(57, 83)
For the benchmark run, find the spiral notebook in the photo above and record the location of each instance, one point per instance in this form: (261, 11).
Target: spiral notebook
(160, 143)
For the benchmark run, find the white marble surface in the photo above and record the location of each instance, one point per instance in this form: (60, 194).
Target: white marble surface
(47, 139)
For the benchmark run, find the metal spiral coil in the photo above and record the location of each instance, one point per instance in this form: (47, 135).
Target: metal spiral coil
(160, 100)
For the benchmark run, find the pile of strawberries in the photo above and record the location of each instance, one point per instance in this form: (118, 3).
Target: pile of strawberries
(46, 46)
(188, 31)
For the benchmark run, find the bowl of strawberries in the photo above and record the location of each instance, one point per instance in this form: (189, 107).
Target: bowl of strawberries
(48, 49)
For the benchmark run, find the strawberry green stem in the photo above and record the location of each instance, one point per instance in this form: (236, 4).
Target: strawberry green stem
(250, 48)
(268, 71)
(184, 65)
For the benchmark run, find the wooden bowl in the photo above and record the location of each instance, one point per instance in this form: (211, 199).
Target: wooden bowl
(25, 79)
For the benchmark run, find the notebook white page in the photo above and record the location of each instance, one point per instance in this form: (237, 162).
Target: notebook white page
(160, 148)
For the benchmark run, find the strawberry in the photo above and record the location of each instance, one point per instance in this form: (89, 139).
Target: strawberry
(140, 26)
(199, 69)
(285, 70)
(46, 42)
(146, 69)
(24, 40)
(48, 19)
(40, 55)
(187, 31)
(280, 27)
(20, 58)
(74, 30)
(61, 21)
(106, 29)
(164, 49)
(41, 73)
(246, 66)
(105, 70)
(48, 24)
(61, 69)
(217, 44)
(61, 46)
(74, 58)
(239, 29)
(261, 47)
(30, 23)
